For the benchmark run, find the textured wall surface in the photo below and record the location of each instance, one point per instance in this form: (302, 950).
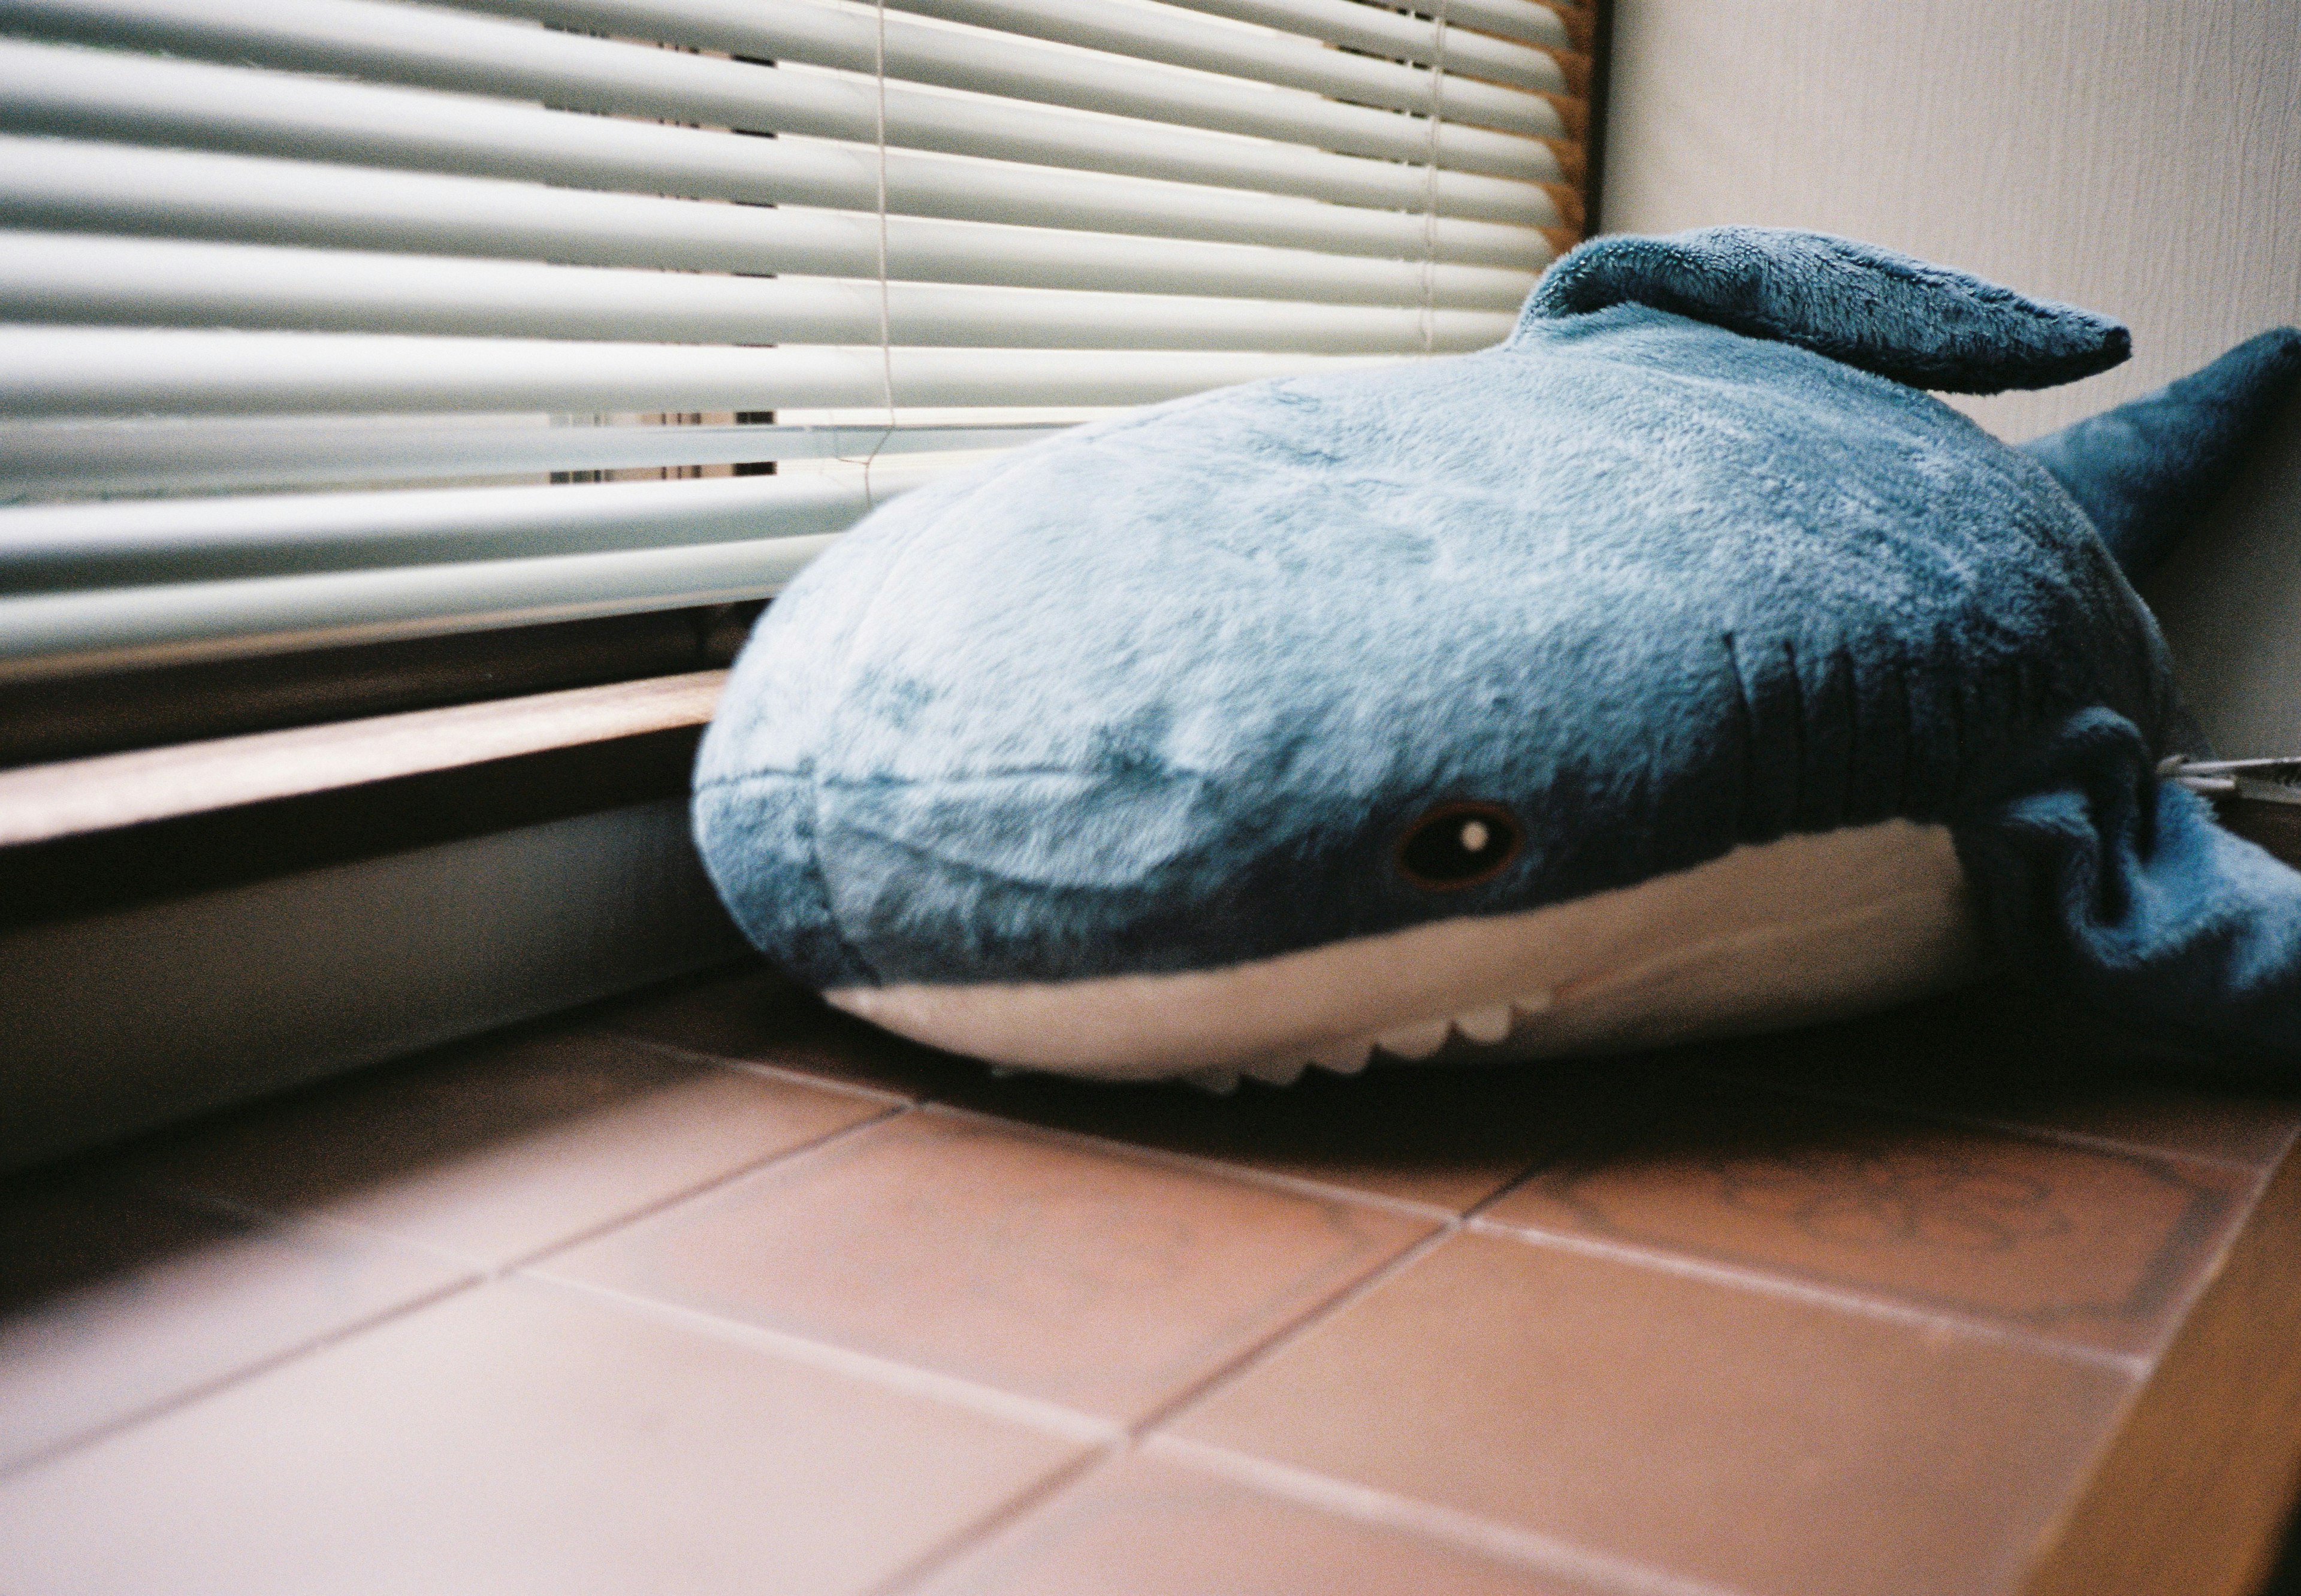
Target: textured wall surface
(2141, 157)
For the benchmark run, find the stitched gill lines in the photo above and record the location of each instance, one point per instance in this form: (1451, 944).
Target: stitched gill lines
(1850, 761)
(1796, 685)
(1747, 713)
(1909, 732)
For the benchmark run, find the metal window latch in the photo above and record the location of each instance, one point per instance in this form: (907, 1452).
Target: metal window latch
(2270, 780)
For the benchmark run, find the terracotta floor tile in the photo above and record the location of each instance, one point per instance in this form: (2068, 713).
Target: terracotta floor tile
(1016, 1260)
(1763, 1443)
(113, 1303)
(1448, 1136)
(495, 1151)
(2001, 1056)
(1144, 1526)
(756, 1016)
(2251, 1132)
(518, 1439)
(2080, 1244)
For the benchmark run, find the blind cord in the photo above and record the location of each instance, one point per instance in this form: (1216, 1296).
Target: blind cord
(886, 319)
(1430, 185)
(1092, 265)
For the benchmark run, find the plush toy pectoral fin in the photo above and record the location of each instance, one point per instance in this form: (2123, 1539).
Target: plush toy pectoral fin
(1869, 307)
(2172, 928)
(2142, 471)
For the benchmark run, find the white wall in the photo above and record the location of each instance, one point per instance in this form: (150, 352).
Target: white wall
(2141, 157)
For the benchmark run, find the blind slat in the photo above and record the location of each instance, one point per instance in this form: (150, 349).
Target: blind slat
(91, 94)
(848, 38)
(63, 634)
(179, 455)
(1530, 21)
(1526, 56)
(367, 253)
(110, 372)
(450, 50)
(1136, 32)
(103, 189)
(89, 280)
(64, 547)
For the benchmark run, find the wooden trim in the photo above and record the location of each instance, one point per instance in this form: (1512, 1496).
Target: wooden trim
(95, 834)
(49, 801)
(2191, 1497)
(72, 717)
(1599, 45)
(1574, 14)
(2274, 826)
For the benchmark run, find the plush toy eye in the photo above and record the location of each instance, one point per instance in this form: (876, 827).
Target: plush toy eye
(1458, 845)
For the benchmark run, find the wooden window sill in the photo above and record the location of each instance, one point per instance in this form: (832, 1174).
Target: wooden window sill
(80, 836)
(86, 835)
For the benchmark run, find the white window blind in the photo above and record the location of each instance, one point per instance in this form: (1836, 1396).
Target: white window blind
(327, 321)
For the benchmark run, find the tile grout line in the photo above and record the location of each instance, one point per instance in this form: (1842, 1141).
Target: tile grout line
(789, 1155)
(2181, 1304)
(1252, 1357)
(2050, 1134)
(896, 1372)
(1203, 1164)
(871, 1369)
(1760, 1281)
(1451, 1225)
(1109, 1440)
(224, 1382)
(486, 1269)
(987, 1528)
(2137, 1363)
(1131, 1437)
(2284, 1151)
(475, 1273)
(2090, 1141)
(1198, 1163)
(350, 1231)
(771, 1071)
(1849, 1097)
(1367, 1504)
(1853, 1099)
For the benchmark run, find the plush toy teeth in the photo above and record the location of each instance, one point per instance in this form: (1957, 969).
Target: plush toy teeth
(1485, 1025)
(1277, 1072)
(1345, 1057)
(1677, 663)
(1415, 1042)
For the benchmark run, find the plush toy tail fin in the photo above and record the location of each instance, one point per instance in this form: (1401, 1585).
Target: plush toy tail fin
(2143, 471)
(2120, 887)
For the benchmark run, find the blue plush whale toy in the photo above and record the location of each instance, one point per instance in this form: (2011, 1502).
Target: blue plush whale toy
(1677, 667)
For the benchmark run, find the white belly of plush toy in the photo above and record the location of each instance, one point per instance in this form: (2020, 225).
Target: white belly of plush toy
(1779, 934)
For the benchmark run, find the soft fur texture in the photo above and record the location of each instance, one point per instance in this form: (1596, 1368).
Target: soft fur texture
(2140, 471)
(1681, 567)
(1867, 306)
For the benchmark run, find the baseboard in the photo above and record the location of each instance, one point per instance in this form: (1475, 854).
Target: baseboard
(115, 1021)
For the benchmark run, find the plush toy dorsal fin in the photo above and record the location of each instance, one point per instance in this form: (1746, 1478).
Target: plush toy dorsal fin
(2143, 471)
(1869, 307)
